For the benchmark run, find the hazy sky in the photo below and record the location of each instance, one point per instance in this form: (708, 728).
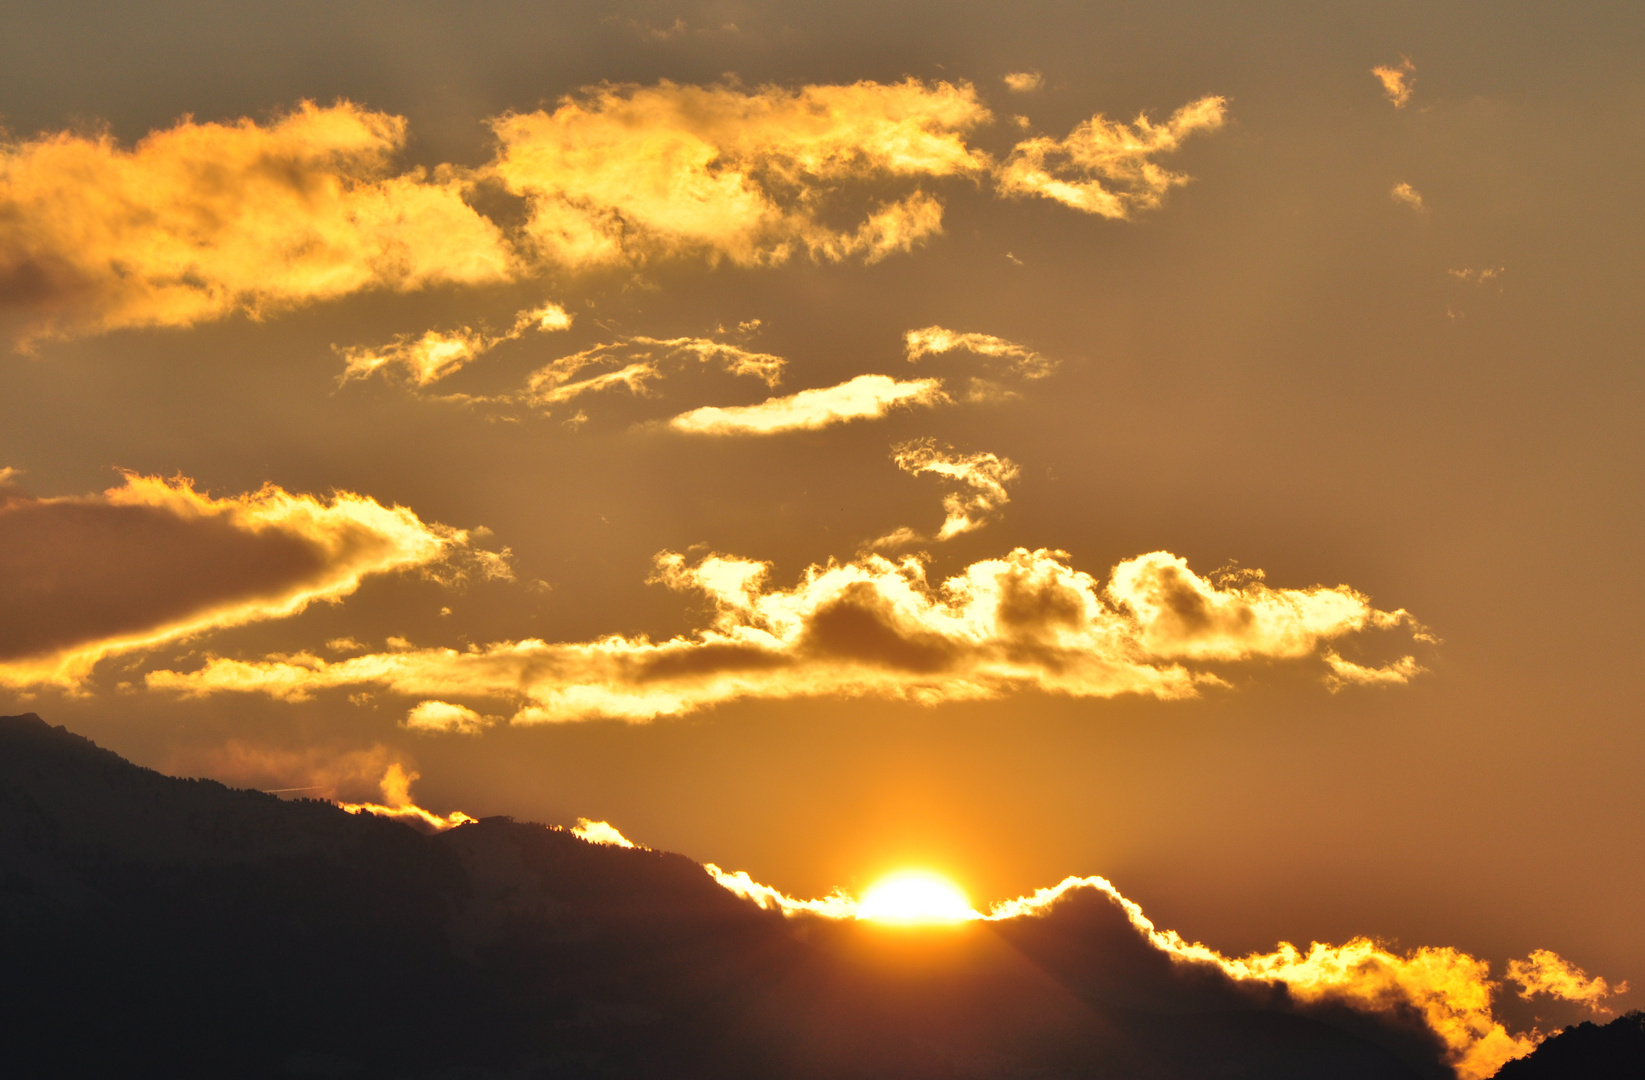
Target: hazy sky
(827, 439)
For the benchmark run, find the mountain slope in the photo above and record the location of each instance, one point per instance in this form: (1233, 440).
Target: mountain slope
(152, 926)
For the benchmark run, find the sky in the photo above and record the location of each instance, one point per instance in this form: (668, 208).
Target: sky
(1194, 445)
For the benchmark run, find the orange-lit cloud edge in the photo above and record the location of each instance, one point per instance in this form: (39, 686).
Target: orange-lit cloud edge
(1451, 991)
(342, 539)
(872, 626)
(202, 220)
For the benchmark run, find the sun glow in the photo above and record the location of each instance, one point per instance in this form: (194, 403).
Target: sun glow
(915, 896)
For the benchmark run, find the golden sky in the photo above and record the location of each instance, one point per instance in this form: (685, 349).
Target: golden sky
(1190, 446)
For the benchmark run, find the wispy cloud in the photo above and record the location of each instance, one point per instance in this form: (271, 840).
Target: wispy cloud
(982, 478)
(1022, 360)
(1028, 621)
(865, 397)
(1104, 167)
(155, 560)
(1398, 82)
(1022, 82)
(437, 353)
(397, 803)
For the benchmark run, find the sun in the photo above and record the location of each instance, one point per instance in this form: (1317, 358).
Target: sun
(915, 896)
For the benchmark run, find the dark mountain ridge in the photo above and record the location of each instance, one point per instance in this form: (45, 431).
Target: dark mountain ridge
(152, 926)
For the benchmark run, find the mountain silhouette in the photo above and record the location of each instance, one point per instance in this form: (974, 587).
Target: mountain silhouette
(153, 926)
(1586, 1051)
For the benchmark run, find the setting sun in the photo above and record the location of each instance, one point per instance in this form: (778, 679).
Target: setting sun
(915, 896)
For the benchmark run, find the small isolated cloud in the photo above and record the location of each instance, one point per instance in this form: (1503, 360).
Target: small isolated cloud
(202, 220)
(637, 362)
(1022, 82)
(155, 560)
(1545, 972)
(397, 804)
(439, 353)
(1397, 82)
(600, 832)
(871, 627)
(444, 717)
(1022, 360)
(1482, 276)
(1394, 673)
(1104, 167)
(865, 397)
(982, 478)
(1410, 196)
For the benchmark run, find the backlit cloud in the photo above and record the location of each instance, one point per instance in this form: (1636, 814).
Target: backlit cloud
(397, 804)
(442, 716)
(865, 397)
(1021, 359)
(436, 354)
(982, 478)
(1449, 991)
(1021, 82)
(1545, 972)
(1410, 196)
(155, 560)
(873, 626)
(636, 362)
(200, 220)
(1104, 167)
(624, 173)
(1398, 81)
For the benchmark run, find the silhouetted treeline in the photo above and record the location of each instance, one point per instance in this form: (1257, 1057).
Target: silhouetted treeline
(1587, 1051)
(152, 926)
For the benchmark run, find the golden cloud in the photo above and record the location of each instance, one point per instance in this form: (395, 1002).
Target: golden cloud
(1104, 167)
(155, 560)
(626, 173)
(866, 397)
(198, 221)
(442, 716)
(1545, 972)
(1397, 82)
(600, 832)
(870, 627)
(397, 804)
(984, 475)
(1410, 196)
(1022, 82)
(1023, 361)
(436, 354)
(201, 220)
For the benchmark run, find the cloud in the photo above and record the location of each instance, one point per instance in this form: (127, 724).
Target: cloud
(1397, 82)
(1022, 82)
(1347, 673)
(1410, 196)
(1545, 972)
(622, 173)
(643, 360)
(321, 772)
(437, 353)
(984, 474)
(600, 832)
(1023, 361)
(202, 220)
(1104, 167)
(397, 804)
(870, 627)
(442, 716)
(865, 397)
(154, 560)
(1447, 990)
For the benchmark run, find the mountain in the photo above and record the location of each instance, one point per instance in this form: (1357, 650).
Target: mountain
(1587, 1051)
(153, 926)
